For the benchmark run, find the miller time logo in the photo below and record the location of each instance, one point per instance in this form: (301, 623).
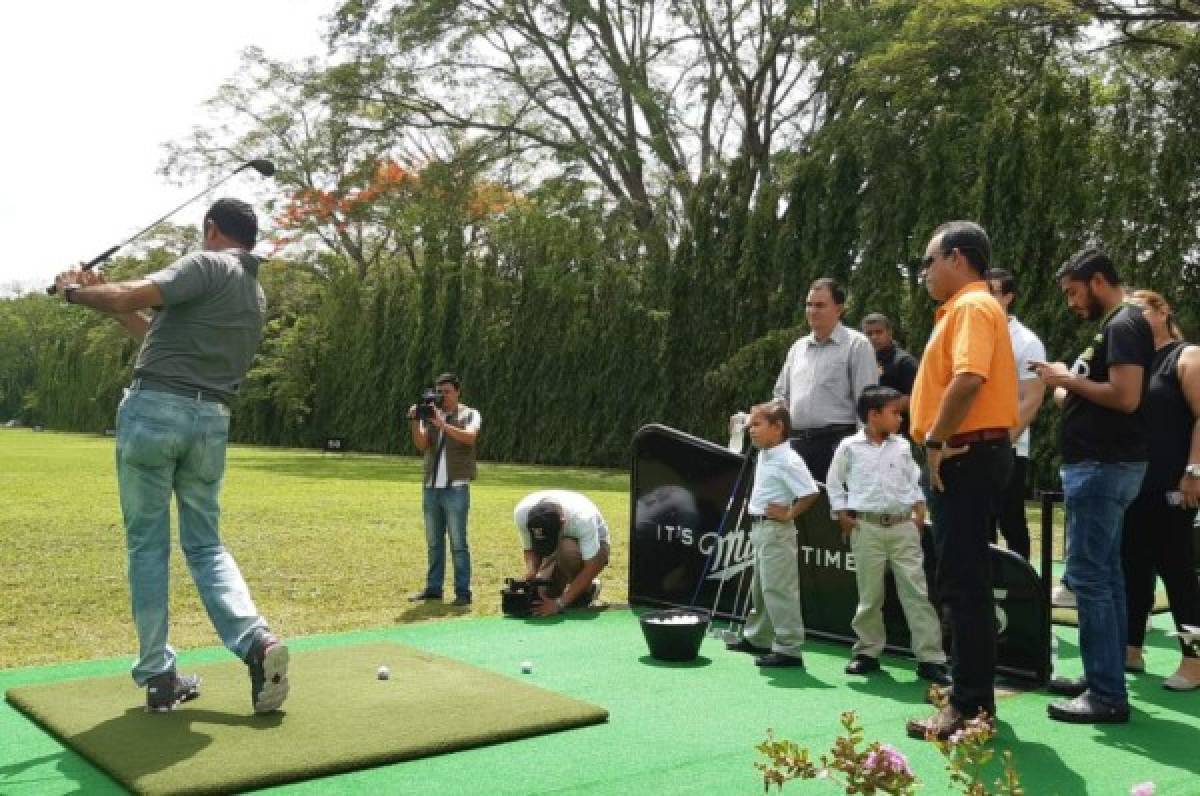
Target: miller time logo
(733, 553)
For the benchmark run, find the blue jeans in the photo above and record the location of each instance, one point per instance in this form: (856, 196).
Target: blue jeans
(446, 511)
(1097, 495)
(168, 443)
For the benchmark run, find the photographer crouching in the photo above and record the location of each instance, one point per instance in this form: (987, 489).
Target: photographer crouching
(565, 542)
(445, 431)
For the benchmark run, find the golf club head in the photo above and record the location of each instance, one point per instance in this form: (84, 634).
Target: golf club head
(263, 166)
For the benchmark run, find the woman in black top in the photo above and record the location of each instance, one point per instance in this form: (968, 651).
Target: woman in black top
(1157, 537)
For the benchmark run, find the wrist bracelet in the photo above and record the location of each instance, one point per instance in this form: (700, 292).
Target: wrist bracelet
(558, 602)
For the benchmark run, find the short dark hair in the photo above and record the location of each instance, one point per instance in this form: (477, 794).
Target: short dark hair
(234, 219)
(448, 378)
(970, 239)
(877, 318)
(1008, 282)
(835, 290)
(1087, 262)
(875, 397)
(777, 414)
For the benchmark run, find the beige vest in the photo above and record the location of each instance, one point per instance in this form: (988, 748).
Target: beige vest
(460, 458)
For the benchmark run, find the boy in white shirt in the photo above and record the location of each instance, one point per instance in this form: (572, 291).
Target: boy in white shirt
(783, 490)
(874, 493)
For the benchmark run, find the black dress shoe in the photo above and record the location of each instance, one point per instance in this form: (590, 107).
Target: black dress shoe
(862, 664)
(934, 672)
(425, 594)
(1086, 709)
(1067, 686)
(462, 600)
(778, 659)
(742, 645)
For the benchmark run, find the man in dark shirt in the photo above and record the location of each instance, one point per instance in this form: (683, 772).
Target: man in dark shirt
(1104, 459)
(897, 367)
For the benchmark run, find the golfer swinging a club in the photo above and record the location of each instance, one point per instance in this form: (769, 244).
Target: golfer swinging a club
(172, 429)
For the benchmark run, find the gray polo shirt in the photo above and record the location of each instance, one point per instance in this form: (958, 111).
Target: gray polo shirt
(820, 381)
(206, 333)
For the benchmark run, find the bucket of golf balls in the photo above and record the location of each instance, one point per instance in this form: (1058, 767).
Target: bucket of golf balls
(675, 634)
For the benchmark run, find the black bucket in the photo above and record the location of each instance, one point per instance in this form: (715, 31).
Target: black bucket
(675, 640)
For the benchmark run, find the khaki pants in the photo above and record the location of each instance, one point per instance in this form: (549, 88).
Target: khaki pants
(899, 545)
(776, 620)
(561, 567)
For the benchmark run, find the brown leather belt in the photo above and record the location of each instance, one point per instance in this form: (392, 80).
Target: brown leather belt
(980, 435)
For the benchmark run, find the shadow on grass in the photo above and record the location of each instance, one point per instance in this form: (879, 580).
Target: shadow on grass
(21, 777)
(431, 609)
(1166, 742)
(882, 684)
(789, 677)
(161, 740)
(699, 662)
(1053, 775)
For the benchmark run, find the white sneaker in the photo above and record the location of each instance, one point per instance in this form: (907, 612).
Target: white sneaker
(1062, 597)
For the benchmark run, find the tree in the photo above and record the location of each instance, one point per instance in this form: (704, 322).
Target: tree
(646, 96)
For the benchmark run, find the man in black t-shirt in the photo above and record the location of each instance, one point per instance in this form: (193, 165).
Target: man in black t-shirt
(897, 367)
(1104, 458)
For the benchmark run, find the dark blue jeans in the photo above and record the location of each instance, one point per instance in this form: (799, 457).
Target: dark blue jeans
(1096, 496)
(445, 511)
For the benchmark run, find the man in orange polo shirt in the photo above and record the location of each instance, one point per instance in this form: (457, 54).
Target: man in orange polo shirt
(963, 404)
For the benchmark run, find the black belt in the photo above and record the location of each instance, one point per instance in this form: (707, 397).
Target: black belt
(756, 517)
(186, 392)
(824, 431)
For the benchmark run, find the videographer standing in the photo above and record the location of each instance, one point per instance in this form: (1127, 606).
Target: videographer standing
(445, 431)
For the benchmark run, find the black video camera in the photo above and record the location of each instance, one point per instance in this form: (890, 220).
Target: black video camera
(518, 597)
(431, 399)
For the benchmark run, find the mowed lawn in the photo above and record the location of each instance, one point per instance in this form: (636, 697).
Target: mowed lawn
(326, 542)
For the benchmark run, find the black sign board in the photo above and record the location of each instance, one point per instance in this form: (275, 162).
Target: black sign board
(687, 549)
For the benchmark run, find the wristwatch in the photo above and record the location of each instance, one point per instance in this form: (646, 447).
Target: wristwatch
(934, 444)
(1192, 471)
(69, 290)
(558, 603)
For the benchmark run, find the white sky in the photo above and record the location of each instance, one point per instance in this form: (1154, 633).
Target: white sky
(91, 90)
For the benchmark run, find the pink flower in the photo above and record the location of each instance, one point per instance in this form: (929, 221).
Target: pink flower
(1142, 789)
(887, 759)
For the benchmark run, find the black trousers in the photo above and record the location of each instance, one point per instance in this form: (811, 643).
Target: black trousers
(964, 571)
(1010, 509)
(817, 452)
(1157, 539)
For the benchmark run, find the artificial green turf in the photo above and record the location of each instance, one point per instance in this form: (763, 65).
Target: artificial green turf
(688, 728)
(341, 717)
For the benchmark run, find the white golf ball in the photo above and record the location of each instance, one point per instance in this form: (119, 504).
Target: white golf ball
(383, 673)
(527, 667)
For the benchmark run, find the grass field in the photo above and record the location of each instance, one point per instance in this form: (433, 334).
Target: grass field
(326, 542)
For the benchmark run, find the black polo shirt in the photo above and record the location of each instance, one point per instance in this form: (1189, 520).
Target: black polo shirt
(897, 369)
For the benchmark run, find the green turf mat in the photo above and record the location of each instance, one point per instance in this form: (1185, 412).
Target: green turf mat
(340, 717)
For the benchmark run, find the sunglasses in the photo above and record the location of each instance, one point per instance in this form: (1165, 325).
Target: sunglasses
(928, 259)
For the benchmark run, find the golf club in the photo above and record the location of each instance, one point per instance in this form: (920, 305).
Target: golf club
(264, 167)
